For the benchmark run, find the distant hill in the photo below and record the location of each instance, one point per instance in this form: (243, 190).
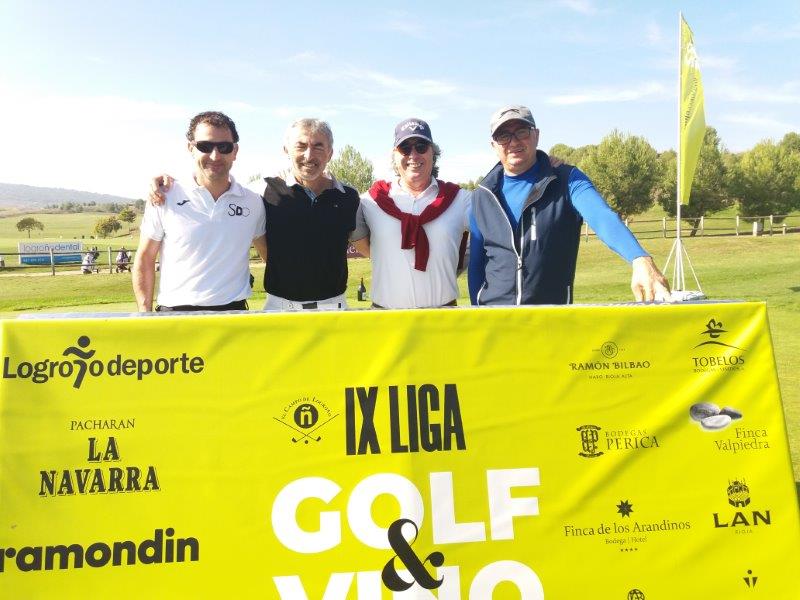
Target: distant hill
(13, 195)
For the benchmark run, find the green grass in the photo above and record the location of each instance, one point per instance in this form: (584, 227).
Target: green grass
(729, 268)
(62, 227)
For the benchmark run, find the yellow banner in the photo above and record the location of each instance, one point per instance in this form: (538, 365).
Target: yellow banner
(693, 121)
(631, 452)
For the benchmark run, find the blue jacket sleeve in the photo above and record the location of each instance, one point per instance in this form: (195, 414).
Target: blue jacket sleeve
(603, 221)
(476, 272)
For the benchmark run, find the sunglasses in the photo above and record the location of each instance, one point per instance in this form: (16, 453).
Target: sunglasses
(420, 147)
(523, 133)
(208, 147)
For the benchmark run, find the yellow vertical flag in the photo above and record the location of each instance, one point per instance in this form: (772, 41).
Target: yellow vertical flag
(693, 122)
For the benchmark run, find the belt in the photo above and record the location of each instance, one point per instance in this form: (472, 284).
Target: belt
(235, 305)
(451, 303)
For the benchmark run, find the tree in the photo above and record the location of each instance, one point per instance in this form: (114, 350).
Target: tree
(471, 184)
(791, 141)
(127, 215)
(29, 223)
(765, 180)
(352, 168)
(709, 188)
(624, 169)
(563, 152)
(105, 226)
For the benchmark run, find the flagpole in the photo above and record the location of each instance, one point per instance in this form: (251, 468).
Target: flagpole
(677, 280)
(678, 253)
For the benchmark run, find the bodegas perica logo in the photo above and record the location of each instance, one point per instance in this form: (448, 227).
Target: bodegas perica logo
(596, 441)
(79, 361)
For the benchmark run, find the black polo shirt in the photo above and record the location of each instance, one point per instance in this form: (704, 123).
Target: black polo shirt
(307, 240)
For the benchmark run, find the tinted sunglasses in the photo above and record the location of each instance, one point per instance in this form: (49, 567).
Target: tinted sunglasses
(420, 147)
(208, 147)
(523, 133)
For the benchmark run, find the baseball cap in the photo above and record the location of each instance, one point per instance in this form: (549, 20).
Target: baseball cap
(409, 128)
(514, 112)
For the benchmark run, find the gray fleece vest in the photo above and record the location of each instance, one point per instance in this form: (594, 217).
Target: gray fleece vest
(534, 264)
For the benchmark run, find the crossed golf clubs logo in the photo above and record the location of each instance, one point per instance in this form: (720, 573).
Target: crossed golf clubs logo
(306, 423)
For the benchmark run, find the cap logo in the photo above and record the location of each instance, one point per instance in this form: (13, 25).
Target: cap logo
(413, 126)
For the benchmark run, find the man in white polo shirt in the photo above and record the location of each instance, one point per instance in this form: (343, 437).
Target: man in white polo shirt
(203, 230)
(414, 227)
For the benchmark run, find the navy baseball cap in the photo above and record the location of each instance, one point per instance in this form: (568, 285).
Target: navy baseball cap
(410, 128)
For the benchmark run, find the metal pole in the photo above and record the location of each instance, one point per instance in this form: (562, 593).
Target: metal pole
(677, 284)
(52, 262)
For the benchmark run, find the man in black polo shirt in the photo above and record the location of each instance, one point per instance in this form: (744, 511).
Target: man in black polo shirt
(310, 216)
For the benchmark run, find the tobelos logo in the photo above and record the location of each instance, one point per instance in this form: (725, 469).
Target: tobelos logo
(84, 363)
(714, 330)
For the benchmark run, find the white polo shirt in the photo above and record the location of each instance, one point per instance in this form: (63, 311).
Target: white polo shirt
(395, 281)
(205, 245)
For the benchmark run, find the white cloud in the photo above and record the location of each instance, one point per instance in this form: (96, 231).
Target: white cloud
(377, 83)
(584, 7)
(759, 121)
(106, 144)
(461, 168)
(234, 106)
(304, 58)
(653, 33)
(240, 69)
(787, 93)
(760, 32)
(720, 63)
(647, 90)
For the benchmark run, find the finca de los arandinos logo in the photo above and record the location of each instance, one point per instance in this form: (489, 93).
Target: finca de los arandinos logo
(80, 361)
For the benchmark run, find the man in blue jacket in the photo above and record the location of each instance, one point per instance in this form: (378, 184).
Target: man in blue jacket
(526, 221)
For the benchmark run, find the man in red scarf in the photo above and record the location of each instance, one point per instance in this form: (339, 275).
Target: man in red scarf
(414, 227)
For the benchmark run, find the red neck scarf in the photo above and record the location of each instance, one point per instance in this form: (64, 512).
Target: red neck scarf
(411, 230)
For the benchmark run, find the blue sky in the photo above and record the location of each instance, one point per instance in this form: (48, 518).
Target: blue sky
(97, 95)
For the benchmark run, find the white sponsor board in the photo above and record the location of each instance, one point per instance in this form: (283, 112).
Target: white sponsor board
(38, 253)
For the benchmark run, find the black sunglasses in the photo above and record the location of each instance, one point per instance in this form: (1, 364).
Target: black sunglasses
(421, 147)
(208, 147)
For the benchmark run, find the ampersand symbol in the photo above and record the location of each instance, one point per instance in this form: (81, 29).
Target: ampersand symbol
(391, 579)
